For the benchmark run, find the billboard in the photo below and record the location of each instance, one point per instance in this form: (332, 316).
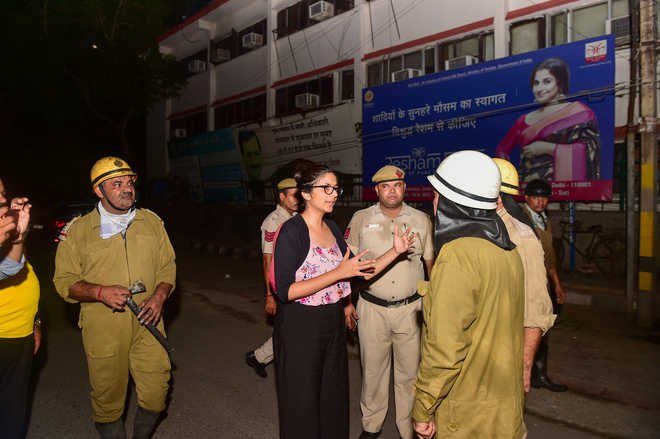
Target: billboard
(211, 164)
(329, 137)
(550, 112)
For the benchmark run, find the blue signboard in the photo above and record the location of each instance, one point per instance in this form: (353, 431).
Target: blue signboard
(211, 161)
(550, 112)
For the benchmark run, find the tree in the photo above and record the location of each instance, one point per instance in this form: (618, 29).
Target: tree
(108, 48)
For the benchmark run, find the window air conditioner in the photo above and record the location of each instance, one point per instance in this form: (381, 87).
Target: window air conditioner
(252, 40)
(319, 11)
(180, 133)
(620, 27)
(306, 101)
(220, 55)
(196, 66)
(404, 74)
(460, 61)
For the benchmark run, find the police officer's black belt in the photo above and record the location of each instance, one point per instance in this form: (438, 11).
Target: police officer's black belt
(378, 301)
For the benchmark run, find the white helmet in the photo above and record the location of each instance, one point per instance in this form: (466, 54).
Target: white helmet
(468, 178)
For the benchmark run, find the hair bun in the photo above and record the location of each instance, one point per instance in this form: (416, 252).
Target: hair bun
(301, 167)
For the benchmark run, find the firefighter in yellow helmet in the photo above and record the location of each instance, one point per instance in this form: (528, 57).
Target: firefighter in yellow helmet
(100, 255)
(538, 316)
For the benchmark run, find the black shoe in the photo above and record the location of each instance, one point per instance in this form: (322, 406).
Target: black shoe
(545, 382)
(368, 435)
(252, 361)
(145, 423)
(111, 430)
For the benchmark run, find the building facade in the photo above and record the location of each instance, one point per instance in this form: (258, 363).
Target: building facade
(281, 67)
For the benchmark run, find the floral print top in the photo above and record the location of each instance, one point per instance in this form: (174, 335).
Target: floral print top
(320, 260)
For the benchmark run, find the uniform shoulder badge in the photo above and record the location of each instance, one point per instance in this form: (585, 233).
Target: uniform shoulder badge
(64, 232)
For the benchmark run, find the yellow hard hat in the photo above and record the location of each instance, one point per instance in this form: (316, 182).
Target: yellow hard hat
(109, 167)
(509, 176)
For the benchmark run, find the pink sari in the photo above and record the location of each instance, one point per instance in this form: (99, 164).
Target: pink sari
(576, 155)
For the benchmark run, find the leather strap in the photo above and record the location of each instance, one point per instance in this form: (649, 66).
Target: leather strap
(386, 303)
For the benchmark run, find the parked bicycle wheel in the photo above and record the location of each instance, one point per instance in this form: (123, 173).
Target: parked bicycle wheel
(609, 255)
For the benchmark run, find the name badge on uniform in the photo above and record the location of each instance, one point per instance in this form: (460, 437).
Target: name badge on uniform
(374, 227)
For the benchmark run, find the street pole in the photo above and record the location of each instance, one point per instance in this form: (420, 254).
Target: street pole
(648, 164)
(631, 218)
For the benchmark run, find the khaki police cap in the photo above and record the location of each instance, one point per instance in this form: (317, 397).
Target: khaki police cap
(287, 183)
(388, 173)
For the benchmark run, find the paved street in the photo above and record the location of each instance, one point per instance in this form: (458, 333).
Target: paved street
(215, 317)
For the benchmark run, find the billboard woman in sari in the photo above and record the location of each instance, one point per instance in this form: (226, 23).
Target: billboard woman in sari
(560, 140)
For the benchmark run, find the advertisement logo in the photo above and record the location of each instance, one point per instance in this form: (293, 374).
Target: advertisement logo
(595, 51)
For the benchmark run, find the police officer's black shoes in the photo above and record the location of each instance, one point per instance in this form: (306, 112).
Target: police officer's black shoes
(144, 423)
(259, 368)
(111, 430)
(540, 376)
(545, 382)
(369, 435)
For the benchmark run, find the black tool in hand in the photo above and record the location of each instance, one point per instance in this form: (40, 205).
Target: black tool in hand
(138, 287)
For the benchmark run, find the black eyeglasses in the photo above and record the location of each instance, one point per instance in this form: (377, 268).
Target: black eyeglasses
(328, 189)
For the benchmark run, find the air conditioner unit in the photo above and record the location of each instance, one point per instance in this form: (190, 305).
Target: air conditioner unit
(620, 27)
(180, 133)
(220, 55)
(252, 40)
(196, 66)
(319, 11)
(460, 61)
(306, 101)
(404, 74)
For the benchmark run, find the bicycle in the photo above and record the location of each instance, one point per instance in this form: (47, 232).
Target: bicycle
(605, 250)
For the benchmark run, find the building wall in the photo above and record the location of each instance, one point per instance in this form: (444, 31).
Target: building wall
(195, 94)
(418, 20)
(329, 42)
(240, 75)
(370, 32)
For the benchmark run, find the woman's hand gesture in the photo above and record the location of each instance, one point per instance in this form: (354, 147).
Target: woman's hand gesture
(351, 267)
(403, 241)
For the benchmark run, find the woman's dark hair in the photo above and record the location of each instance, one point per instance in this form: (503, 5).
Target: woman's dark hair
(305, 179)
(557, 68)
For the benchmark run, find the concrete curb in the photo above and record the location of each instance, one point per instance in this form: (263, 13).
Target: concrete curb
(607, 418)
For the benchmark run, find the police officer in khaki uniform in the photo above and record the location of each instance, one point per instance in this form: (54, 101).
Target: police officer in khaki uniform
(99, 256)
(286, 208)
(538, 317)
(388, 310)
(537, 195)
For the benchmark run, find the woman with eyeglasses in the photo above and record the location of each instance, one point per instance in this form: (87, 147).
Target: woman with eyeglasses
(312, 268)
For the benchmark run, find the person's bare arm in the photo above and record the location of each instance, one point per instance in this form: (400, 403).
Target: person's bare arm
(559, 290)
(152, 308)
(22, 207)
(271, 305)
(348, 268)
(113, 296)
(531, 340)
(401, 244)
(7, 226)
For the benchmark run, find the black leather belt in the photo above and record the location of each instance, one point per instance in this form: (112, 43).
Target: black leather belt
(378, 301)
